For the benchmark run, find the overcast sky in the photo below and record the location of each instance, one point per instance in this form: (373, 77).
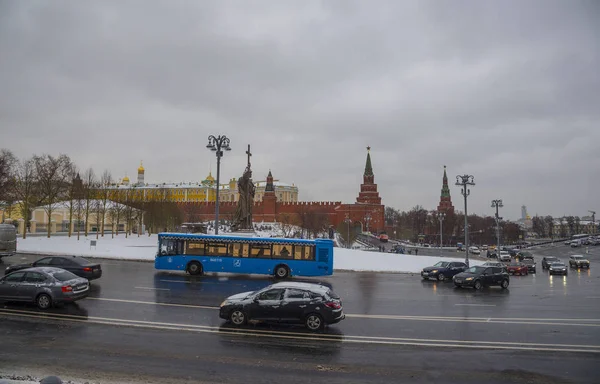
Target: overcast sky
(508, 91)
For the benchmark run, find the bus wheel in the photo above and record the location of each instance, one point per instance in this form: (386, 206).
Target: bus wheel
(194, 268)
(281, 272)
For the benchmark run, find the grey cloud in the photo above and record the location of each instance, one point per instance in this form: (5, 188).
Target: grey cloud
(507, 91)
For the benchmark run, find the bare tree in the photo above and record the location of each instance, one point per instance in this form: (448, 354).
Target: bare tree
(287, 224)
(72, 197)
(88, 195)
(549, 226)
(53, 178)
(25, 190)
(8, 163)
(104, 194)
(117, 209)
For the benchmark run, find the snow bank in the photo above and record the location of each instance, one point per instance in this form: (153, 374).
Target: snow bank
(143, 248)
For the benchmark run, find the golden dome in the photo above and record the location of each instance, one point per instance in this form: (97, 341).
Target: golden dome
(141, 168)
(209, 177)
(126, 179)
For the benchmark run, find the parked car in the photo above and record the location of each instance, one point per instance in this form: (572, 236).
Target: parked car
(44, 286)
(568, 242)
(74, 264)
(576, 244)
(484, 247)
(443, 270)
(505, 256)
(517, 268)
(578, 261)
(492, 254)
(480, 276)
(474, 250)
(494, 264)
(558, 267)
(546, 261)
(313, 305)
(531, 266)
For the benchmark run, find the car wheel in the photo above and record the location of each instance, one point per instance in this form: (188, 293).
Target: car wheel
(477, 285)
(281, 272)
(504, 284)
(43, 301)
(238, 317)
(194, 268)
(441, 277)
(314, 322)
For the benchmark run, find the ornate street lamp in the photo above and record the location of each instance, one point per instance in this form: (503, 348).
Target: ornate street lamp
(497, 204)
(218, 144)
(368, 220)
(441, 217)
(464, 181)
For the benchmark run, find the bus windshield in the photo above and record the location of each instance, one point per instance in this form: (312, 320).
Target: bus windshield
(199, 253)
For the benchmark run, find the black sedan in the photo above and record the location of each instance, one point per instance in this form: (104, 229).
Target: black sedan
(531, 266)
(443, 270)
(558, 268)
(480, 276)
(74, 264)
(313, 305)
(546, 261)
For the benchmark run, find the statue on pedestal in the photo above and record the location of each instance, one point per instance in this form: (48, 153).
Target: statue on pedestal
(242, 219)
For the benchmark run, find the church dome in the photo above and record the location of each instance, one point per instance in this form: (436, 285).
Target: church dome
(141, 168)
(209, 179)
(125, 179)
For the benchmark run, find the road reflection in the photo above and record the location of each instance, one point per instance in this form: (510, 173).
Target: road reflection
(288, 339)
(61, 311)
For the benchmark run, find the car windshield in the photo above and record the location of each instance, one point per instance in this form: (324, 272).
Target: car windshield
(441, 264)
(558, 265)
(551, 259)
(475, 270)
(528, 262)
(577, 257)
(64, 276)
(515, 264)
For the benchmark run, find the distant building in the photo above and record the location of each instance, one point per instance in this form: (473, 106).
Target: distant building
(445, 199)
(524, 215)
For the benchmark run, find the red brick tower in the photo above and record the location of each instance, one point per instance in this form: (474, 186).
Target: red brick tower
(269, 200)
(445, 200)
(368, 189)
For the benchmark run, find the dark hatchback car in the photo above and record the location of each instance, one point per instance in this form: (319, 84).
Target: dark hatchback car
(43, 286)
(443, 270)
(74, 264)
(546, 261)
(480, 276)
(313, 305)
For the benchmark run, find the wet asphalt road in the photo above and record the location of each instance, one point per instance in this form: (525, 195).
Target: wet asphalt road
(146, 325)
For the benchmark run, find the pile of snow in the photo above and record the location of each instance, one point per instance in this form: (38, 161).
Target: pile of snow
(144, 248)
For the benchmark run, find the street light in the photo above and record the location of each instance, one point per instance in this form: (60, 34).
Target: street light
(497, 204)
(218, 144)
(441, 217)
(348, 222)
(464, 181)
(367, 220)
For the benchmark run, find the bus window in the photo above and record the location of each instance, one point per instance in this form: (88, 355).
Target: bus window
(282, 251)
(304, 252)
(260, 251)
(195, 248)
(216, 249)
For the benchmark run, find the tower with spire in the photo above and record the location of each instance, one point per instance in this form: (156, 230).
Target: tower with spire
(445, 199)
(368, 189)
(141, 171)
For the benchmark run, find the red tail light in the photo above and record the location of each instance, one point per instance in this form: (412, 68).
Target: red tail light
(87, 269)
(333, 304)
(67, 288)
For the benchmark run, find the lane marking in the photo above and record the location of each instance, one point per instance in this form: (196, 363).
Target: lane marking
(564, 322)
(476, 305)
(153, 289)
(308, 336)
(152, 303)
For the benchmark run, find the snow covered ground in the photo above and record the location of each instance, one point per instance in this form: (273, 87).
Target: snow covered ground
(143, 248)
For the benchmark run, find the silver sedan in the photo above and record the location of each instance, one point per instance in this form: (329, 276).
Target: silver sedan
(44, 286)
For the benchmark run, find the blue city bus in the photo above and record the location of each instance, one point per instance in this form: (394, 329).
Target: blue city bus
(198, 253)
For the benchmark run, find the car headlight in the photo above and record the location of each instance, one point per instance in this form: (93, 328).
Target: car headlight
(223, 303)
(434, 271)
(468, 279)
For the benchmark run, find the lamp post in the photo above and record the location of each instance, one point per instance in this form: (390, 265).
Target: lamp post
(218, 144)
(464, 181)
(441, 217)
(497, 204)
(348, 222)
(368, 220)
